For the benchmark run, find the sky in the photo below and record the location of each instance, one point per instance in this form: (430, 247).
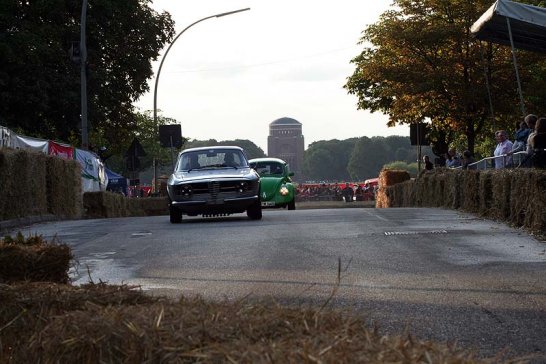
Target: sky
(230, 77)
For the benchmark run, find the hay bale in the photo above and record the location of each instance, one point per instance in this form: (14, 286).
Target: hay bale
(501, 185)
(194, 330)
(384, 197)
(470, 184)
(527, 200)
(23, 184)
(34, 260)
(390, 177)
(27, 308)
(64, 187)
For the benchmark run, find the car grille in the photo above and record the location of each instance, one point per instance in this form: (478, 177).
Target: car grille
(214, 190)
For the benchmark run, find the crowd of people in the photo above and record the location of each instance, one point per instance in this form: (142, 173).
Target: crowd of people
(529, 145)
(347, 192)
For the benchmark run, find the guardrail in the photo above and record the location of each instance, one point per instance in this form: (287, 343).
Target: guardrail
(509, 161)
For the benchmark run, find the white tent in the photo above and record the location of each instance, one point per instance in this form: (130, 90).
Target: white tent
(514, 24)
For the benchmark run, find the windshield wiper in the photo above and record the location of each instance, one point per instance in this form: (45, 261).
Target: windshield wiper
(191, 169)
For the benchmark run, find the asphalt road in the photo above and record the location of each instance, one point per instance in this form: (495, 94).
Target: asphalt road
(441, 274)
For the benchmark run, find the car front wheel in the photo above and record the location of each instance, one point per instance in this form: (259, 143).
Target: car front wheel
(292, 204)
(176, 215)
(254, 212)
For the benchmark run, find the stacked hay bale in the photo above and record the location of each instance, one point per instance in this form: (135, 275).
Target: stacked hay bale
(51, 323)
(108, 204)
(385, 197)
(35, 184)
(33, 259)
(513, 195)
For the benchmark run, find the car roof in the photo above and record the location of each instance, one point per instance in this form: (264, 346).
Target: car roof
(256, 160)
(212, 147)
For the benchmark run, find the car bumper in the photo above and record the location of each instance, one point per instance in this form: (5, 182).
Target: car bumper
(226, 206)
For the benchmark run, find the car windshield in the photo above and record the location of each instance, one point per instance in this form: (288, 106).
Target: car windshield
(211, 158)
(268, 168)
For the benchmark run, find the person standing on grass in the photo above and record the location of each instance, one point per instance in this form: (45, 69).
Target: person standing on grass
(504, 146)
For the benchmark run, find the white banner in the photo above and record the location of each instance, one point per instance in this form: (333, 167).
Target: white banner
(93, 174)
(5, 137)
(29, 143)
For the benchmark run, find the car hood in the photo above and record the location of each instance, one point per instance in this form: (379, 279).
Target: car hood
(271, 185)
(197, 175)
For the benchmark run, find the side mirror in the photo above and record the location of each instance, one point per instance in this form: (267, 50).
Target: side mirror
(291, 174)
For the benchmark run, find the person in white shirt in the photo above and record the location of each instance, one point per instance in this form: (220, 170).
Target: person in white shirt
(504, 146)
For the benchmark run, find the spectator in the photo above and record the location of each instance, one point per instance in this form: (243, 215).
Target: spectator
(452, 159)
(531, 121)
(537, 143)
(521, 137)
(467, 160)
(359, 193)
(348, 193)
(428, 164)
(504, 146)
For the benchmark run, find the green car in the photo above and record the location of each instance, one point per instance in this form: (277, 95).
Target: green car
(276, 187)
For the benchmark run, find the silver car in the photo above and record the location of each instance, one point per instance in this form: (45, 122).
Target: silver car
(213, 181)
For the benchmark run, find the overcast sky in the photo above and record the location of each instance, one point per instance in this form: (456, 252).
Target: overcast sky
(229, 77)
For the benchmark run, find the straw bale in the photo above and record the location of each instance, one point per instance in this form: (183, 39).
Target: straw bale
(108, 204)
(27, 307)
(194, 330)
(64, 187)
(387, 177)
(105, 204)
(486, 193)
(390, 177)
(528, 200)
(470, 199)
(34, 262)
(501, 183)
(438, 189)
(454, 188)
(23, 181)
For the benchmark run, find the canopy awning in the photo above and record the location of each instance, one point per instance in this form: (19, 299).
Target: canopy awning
(526, 22)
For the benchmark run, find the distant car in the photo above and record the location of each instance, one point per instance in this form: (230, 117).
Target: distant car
(213, 181)
(277, 189)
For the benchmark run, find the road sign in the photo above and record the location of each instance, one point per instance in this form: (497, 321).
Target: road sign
(135, 150)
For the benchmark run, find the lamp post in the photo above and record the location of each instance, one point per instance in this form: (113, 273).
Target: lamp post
(169, 48)
(83, 76)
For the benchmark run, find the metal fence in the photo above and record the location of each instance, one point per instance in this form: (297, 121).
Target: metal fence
(516, 160)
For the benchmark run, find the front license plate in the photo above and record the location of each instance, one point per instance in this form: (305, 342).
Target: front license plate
(268, 203)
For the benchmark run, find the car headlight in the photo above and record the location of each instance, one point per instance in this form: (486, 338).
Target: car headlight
(284, 191)
(243, 186)
(185, 190)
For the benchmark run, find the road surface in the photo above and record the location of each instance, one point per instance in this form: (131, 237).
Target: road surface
(441, 274)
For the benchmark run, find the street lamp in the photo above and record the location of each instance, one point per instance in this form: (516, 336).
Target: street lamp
(83, 76)
(169, 48)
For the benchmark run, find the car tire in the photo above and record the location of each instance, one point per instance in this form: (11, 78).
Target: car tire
(254, 212)
(292, 204)
(175, 215)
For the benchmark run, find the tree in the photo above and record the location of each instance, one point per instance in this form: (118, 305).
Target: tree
(401, 165)
(147, 132)
(421, 62)
(40, 85)
(367, 158)
(326, 160)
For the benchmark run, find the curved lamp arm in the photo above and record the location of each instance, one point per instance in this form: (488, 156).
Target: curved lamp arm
(169, 48)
